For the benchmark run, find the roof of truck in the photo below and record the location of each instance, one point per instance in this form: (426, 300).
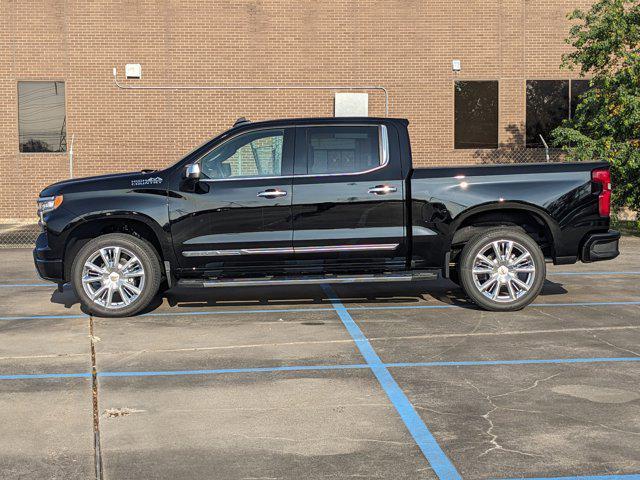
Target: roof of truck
(243, 122)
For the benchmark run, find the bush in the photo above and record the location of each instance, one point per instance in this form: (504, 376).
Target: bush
(606, 124)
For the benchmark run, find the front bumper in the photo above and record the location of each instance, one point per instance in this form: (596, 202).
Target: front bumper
(601, 246)
(47, 266)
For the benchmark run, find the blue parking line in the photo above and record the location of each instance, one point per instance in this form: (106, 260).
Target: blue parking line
(44, 375)
(292, 368)
(296, 368)
(14, 285)
(44, 317)
(436, 457)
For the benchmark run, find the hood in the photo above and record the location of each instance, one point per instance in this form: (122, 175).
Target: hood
(106, 182)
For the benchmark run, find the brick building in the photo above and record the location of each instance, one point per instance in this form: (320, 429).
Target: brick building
(405, 46)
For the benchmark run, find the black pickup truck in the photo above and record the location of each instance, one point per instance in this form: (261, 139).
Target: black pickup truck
(321, 200)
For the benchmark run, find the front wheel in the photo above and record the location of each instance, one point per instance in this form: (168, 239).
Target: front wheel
(502, 269)
(116, 275)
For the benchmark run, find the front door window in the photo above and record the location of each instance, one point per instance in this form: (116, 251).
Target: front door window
(251, 155)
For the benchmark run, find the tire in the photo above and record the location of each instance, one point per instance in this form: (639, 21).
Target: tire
(506, 282)
(117, 290)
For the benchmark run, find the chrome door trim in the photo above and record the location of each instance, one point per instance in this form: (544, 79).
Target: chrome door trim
(346, 248)
(241, 251)
(271, 251)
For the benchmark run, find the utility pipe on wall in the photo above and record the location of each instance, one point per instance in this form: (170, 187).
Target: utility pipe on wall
(71, 156)
(222, 88)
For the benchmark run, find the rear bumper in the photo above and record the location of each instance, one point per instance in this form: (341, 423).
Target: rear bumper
(601, 246)
(47, 266)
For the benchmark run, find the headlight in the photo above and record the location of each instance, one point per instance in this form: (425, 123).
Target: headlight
(47, 204)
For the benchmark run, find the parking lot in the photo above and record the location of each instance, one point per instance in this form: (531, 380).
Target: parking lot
(350, 381)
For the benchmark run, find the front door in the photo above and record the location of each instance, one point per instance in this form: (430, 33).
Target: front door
(236, 219)
(348, 204)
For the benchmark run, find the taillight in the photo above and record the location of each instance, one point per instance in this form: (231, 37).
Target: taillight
(602, 176)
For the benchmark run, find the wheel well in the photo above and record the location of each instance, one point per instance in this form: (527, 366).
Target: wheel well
(529, 222)
(95, 228)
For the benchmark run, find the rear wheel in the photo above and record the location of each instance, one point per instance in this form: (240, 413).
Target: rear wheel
(116, 275)
(502, 269)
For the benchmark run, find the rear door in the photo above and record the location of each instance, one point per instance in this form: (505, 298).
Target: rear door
(349, 200)
(237, 218)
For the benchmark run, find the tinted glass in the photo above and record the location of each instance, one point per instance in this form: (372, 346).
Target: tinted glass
(253, 154)
(41, 117)
(578, 88)
(547, 107)
(340, 149)
(476, 114)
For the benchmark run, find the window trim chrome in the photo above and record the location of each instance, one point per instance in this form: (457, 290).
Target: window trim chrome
(383, 142)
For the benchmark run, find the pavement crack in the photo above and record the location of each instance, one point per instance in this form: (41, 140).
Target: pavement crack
(606, 342)
(427, 409)
(493, 437)
(96, 413)
(530, 387)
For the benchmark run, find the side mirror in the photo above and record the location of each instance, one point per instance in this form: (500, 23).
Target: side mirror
(193, 171)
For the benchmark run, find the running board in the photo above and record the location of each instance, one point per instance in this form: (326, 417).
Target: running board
(309, 280)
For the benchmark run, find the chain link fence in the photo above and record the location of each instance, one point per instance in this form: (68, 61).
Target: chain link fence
(18, 233)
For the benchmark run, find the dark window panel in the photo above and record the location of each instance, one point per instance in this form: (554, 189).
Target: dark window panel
(41, 117)
(342, 149)
(547, 107)
(476, 114)
(578, 88)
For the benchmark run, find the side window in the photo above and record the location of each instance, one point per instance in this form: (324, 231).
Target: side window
(342, 149)
(253, 154)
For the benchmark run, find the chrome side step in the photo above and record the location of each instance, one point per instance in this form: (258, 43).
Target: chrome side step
(309, 280)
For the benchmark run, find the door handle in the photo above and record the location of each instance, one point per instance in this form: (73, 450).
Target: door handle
(272, 193)
(382, 189)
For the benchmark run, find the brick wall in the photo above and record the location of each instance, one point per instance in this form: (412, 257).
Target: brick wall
(404, 45)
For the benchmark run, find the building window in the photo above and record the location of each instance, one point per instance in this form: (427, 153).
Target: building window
(41, 117)
(549, 103)
(578, 89)
(476, 114)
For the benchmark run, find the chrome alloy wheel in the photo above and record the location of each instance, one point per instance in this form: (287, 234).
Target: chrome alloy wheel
(113, 277)
(503, 271)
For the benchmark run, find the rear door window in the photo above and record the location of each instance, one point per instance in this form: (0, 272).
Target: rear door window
(342, 149)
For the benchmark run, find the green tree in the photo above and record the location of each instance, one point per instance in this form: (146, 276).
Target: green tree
(606, 124)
